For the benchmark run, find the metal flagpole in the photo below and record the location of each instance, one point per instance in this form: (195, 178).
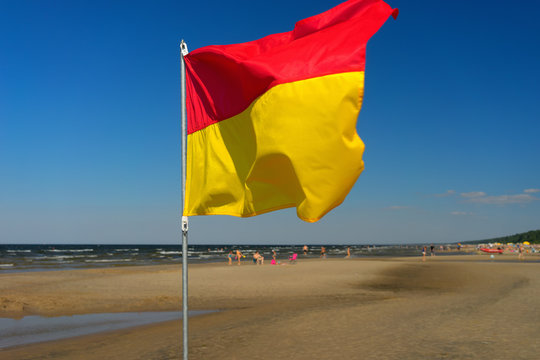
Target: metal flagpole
(184, 52)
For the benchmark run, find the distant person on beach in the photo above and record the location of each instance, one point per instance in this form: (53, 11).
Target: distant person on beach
(230, 256)
(432, 250)
(258, 259)
(520, 250)
(305, 250)
(424, 250)
(348, 252)
(239, 256)
(323, 252)
(274, 254)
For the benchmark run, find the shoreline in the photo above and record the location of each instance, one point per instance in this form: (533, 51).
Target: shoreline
(21, 258)
(476, 256)
(353, 306)
(44, 257)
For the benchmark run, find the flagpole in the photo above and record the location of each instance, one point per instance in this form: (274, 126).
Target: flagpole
(184, 52)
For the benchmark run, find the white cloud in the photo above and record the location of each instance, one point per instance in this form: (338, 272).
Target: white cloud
(447, 193)
(461, 213)
(503, 199)
(531, 191)
(473, 194)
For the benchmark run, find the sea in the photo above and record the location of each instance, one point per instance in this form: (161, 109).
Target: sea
(22, 258)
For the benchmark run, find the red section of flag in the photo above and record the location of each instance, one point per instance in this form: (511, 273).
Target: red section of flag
(222, 81)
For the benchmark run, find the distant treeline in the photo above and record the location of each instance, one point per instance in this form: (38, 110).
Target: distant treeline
(531, 236)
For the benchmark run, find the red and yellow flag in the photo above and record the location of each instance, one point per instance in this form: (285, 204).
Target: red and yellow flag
(272, 122)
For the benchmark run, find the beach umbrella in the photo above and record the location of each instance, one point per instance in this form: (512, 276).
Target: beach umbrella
(526, 243)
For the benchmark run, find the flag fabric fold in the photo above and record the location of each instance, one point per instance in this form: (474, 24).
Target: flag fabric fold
(272, 122)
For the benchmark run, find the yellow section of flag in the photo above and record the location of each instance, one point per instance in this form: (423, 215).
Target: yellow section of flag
(295, 146)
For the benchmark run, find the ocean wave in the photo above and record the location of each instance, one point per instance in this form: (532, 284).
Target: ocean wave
(18, 251)
(170, 252)
(108, 261)
(69, 250)
(6, 265)
(126, 249)
(59, 257)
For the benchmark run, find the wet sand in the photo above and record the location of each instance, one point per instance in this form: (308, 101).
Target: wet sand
(459, 307)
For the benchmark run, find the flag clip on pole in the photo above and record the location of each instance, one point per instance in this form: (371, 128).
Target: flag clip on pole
(183, 48)
(184, 52)
(184, 224)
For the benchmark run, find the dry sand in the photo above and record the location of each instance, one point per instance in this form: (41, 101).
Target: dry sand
(463, 307)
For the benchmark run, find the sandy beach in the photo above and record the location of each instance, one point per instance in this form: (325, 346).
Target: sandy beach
(449, 307)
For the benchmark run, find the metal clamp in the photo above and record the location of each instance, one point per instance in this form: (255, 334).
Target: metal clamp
(184, 223)
(183, 48)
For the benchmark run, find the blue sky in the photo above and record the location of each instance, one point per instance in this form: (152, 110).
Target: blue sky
(90, 133)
